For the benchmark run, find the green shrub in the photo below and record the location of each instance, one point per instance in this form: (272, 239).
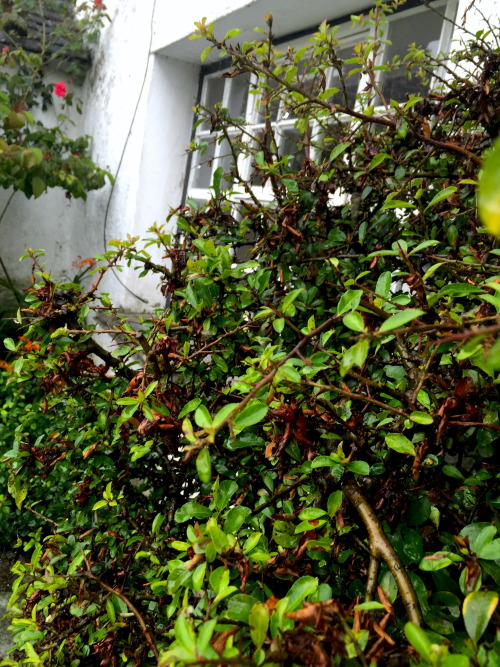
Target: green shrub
(293, 461)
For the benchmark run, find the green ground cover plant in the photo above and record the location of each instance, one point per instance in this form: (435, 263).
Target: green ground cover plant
(293, 462)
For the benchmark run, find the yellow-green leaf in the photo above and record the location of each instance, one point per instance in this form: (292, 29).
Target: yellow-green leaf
(477, 610)
(489, 191)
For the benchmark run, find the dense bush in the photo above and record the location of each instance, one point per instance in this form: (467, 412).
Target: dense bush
(293, 462)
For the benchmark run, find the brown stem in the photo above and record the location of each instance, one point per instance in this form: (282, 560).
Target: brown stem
(381, 548)
(381, 120)
(145, 631)
(278, 494)
(267, 378)
(371, 581)
(45, 518)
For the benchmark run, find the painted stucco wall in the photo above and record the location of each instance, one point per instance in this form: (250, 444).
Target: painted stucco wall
(43, 223)
(138, 100)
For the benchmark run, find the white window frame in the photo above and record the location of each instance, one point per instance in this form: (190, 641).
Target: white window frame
(348, 37)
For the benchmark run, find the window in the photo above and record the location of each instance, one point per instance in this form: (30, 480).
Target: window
(420, 25)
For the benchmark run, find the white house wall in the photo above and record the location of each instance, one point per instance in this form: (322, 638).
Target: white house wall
(45, 223)
(138, 101)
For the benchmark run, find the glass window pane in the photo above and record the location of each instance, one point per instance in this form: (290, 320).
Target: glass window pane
(292, 144)
(351, 82)
(225, 161)
(422, 29)
(214, 91)
(328, 137)
(269, 103)
(202, 166)
(238, 95)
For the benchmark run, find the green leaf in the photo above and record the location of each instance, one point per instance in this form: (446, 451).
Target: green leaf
(217, 178)
(421, 417)
(400, 319)
(203, 465)
(354, 321)
(253, 413)
(199, 576)
(452, 471)
(396, 203)
(9, 344)
(444, 194)
(383, 288)
(338, 150)
(204, 54)
(422, 246)
(287, 307)
(184, 633)
(304, 526)
(378, 159)
(99, 504)
(478, 607)
(438, 561)
(38, 186)
(432, 270)
(456, 661)
(322, 461)
(279, 324)
(369, 606)
(419, 640)
(157, 522)
(334, 502)
(189, 407)
(488, 199)
(217, 535)
(236, 518)
(231, 33)
(359, 467)
(300, 589)
(484, 545)
(191, 510)
(202, 417)
(400, 443)
(205, 635)
(223, 493)
(240, 606)
(354, 356)
(258, 620)
(349, 301)
(251, 542)
(127, 400)
(311, 513)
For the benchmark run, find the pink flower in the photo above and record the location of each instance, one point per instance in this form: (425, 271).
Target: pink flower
(5, 49)
(60, 89)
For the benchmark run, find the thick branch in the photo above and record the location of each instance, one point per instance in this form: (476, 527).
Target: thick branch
(381, 548)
